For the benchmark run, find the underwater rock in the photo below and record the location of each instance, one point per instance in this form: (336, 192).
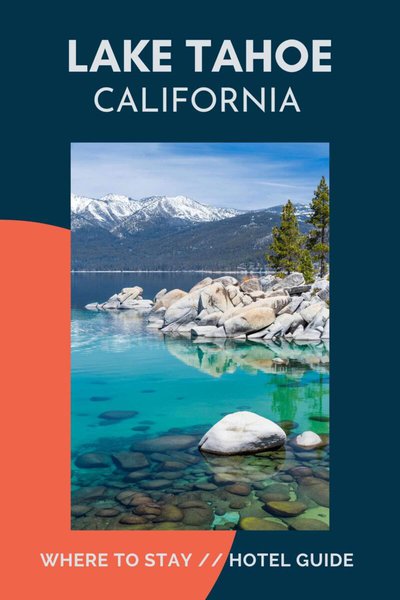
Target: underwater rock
(92, 460)
(137, 475)
(321, 472)
(242, 432)
(126, 497)
(285, 508)
(171, 513)
(184, 457)
(173, 465)
(276, 492)
(300, 471)
(107, 512)
(78, 510)
(308, 455)
(155, 484)
(237, 503)
(159, 456)
(317, 490)
(171, 475)
(118, 415)
(319, 418)
(200, 514)
(240, 489)
(165, 442)
(206, 486)
(130, 460)
(152, 509)
(261, 524)
(129, 519)
(89, 493)
(304, 524)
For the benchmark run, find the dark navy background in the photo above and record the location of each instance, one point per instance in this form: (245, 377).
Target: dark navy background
(353, 108)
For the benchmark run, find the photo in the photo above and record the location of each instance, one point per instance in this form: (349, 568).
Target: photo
(200, 336)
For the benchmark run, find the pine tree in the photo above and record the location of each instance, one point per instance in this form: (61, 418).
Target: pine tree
(318, 238)
(286, 248)
(306, 266)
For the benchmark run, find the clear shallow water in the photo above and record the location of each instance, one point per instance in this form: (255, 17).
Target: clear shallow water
(179, 387)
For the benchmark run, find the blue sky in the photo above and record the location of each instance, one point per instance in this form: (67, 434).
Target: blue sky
(242, 175)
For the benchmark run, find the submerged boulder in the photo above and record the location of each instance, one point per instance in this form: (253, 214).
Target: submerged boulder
(242, 432)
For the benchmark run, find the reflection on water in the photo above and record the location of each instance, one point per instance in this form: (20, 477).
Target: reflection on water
(226, 356)
(180, 388)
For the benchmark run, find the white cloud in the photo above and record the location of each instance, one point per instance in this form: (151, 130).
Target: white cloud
(234, 175)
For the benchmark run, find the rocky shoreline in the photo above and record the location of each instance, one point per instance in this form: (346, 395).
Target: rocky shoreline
(258, 308)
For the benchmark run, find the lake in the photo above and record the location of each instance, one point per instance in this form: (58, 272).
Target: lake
(131, 385)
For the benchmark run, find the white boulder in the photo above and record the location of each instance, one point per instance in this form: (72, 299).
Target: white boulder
(203, 283)
(242, 432)
(227, 280)
(214, 297)
(292, 280)
(169, 298)
(252, 319)
(183, 310)
(160, 294)
(311, 311)
(308, 439)
(250, 285)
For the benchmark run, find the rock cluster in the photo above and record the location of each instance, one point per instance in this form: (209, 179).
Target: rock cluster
(266, 307)
(127, 299)
(257, 308)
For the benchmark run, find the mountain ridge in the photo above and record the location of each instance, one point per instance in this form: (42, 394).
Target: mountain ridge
(114, 210)
(161, 237)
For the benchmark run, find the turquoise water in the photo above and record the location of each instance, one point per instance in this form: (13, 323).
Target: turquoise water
(179, 387)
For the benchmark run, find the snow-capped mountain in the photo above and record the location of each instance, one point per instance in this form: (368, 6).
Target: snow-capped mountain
(105, 212)
(178, 211)
(170, 234)
(118, 213)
